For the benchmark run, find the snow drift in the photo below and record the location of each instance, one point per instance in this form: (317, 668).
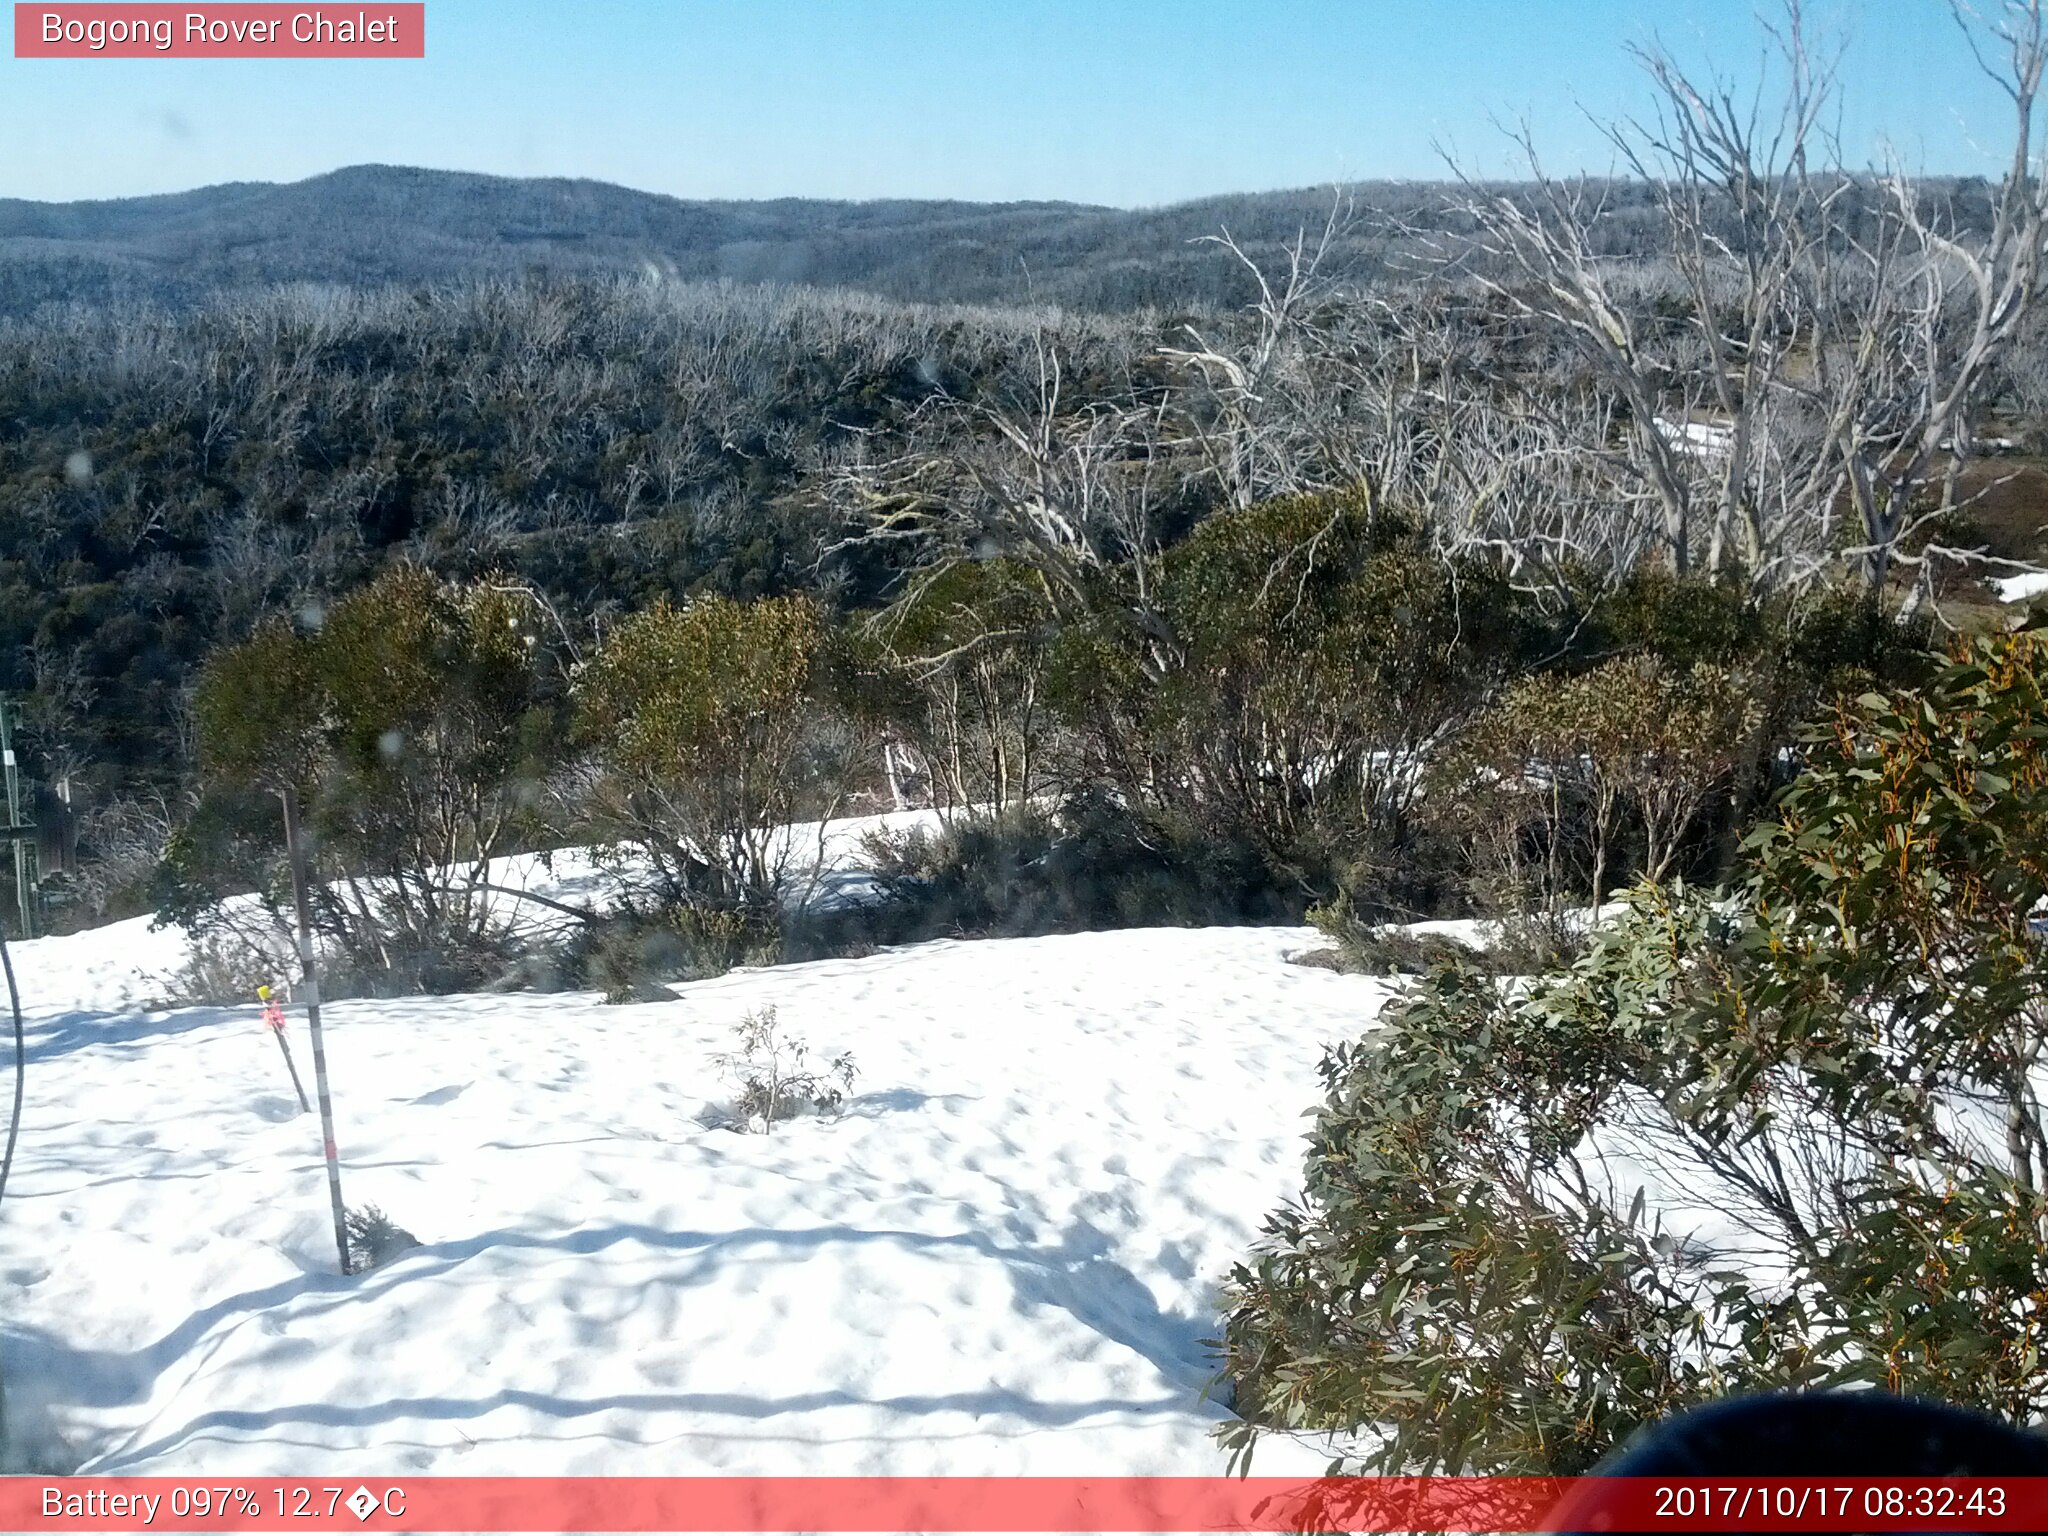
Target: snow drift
(1001, 1258)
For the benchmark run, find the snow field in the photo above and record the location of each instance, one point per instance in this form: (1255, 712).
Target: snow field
(1001, 1258)
(2018, 589)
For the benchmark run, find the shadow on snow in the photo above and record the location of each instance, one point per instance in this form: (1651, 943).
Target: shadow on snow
(1076, 1275)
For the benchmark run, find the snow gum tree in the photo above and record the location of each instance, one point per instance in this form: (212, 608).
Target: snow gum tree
(963, 656)
(1551, 783)
(712, 728)
(1324, 649)
(415, 724)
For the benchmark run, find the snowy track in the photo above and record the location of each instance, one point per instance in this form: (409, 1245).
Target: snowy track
(1000, 1259)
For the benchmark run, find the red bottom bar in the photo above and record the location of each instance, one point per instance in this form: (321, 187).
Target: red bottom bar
(1021, 1504)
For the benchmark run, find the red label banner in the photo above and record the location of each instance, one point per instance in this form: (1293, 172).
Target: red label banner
(1021, 1504)
(106, 30)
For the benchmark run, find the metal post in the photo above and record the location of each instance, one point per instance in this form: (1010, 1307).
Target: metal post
(297, 849)
(18, 825)
(25, 885)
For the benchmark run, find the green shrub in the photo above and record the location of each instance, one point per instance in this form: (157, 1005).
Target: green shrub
(1431, 1288)
(1092, 863)
(1557, 784)
(1535, 943)
(374, 1239)
(714, 727)
(1838, 1058)
(1318, 652)
(1379, 949)
(219, 973)
(1681, 620)
(964, 657)
(771, 1071)
(416, 725)
(633, 957)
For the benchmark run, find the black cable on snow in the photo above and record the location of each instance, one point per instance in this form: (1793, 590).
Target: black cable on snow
(20, 1060)
(13, 1126)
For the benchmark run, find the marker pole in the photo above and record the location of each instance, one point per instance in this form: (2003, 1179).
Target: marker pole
(274, 1017)
(297, 848)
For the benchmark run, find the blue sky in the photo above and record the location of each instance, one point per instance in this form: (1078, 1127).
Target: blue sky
(1127, 102)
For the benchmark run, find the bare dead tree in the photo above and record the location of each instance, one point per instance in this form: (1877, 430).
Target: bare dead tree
(1546, 252)
(1958, 311)
(1072, 491)
(1838, 335)
(57, 712)
(1268, 410)
(122, 840)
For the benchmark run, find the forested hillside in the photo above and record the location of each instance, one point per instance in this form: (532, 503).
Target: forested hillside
(246, 403)
(169, 477)
(373, 225)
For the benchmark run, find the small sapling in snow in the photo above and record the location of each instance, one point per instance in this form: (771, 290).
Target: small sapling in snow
(775, 1082)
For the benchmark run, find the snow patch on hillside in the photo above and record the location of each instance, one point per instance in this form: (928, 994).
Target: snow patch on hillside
(2018, 589)
(130, 964)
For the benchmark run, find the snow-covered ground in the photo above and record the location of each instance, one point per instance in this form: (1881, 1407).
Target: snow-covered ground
(128, 965)
(1001, 1258)
(2018, 589)
(1705, 439)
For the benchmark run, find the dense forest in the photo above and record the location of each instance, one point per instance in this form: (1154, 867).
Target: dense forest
(170, 477)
